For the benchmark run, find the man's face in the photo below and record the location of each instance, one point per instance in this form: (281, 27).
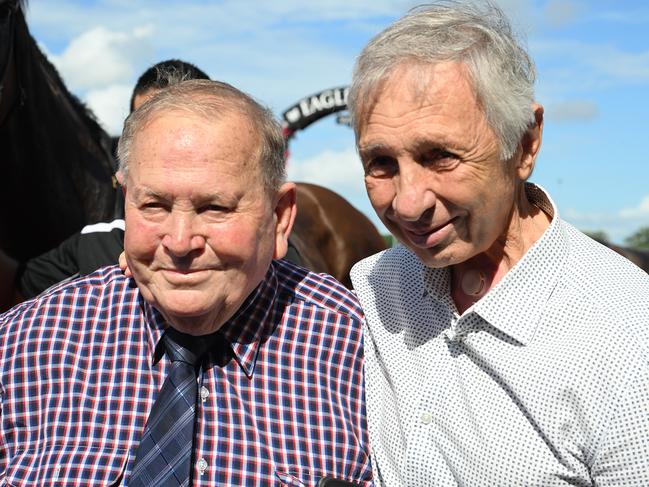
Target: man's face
(432, 166)
(200, 227)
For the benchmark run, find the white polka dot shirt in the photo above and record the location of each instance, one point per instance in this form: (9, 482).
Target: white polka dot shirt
(544, 381)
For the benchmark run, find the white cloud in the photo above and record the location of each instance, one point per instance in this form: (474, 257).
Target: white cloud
(627, 14)
(617, 224)
(562, 12)
(110, 105)
(100, 57)
(581, 61)
(341, 171)
(572, 110)
(640, 211)
(229, 14)
(619, 64)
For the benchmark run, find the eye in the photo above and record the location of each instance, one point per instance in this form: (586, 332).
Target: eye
(152, 206)
(381, 167)
(213, 208)
(440, 159)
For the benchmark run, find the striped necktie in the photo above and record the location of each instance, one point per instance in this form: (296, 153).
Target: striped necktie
(164, 456)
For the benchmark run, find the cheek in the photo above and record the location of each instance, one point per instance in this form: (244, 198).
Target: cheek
(238, 240)
(380, 193)
(141, 238)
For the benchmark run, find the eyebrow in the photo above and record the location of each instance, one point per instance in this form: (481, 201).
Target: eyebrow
(369, 149)
(418, 143)
(146, 192)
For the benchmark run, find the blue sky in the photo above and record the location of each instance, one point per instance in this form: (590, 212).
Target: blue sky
(592, 60)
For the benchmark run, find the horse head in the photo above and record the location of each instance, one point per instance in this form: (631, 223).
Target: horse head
(57, 165)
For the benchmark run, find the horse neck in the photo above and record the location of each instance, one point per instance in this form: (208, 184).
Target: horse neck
(45, 97)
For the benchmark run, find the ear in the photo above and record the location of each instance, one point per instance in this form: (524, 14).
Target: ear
(121, 180)
(530, 144)
(285, 211)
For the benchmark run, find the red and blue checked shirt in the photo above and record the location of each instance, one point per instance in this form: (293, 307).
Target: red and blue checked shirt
(79, 374)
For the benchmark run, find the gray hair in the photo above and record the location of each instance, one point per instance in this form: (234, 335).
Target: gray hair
(480, 37)
(212, 100)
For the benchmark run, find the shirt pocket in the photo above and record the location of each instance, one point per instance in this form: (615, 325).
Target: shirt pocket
(59, 465)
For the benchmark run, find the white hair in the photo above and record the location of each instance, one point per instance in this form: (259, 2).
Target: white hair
(213, 100)
(477, 35)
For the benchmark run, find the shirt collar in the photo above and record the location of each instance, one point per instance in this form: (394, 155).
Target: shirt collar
(537, 273)
(253, 322)
(243, 332)
(156, 327)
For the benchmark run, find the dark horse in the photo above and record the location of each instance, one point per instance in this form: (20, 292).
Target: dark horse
(57, 167)
(330, 234)
(56, 160)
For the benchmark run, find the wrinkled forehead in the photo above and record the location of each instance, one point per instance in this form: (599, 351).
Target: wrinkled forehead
(416, 81)
(178, 119)
(231, 136)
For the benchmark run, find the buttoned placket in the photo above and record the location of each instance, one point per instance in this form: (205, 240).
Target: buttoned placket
(200, 464)
(423, 424)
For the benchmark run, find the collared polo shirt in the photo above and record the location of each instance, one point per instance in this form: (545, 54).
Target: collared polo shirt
(544, 381)
(79, 375)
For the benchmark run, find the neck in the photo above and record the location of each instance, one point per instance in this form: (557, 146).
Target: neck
(475, 277)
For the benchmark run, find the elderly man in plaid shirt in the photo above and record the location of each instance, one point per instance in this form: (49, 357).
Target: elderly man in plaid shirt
(216, 363)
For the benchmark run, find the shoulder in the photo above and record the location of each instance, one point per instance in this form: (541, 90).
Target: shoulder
(611, 287)
(322, 291)
(393, 271)
(100, 245)
(397, 259)
(74, 301)
(597, 269)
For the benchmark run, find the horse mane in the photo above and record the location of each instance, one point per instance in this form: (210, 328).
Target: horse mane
(96, 130)
(30, 44)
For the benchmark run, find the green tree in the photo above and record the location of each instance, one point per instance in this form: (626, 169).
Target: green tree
(598, 235)
(388, 239)
(639, 239)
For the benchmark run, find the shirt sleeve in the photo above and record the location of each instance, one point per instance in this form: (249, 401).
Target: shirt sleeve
(39, 273)
(3, 448)
(623, 456)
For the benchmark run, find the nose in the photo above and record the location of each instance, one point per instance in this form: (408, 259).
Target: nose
(414, 196)
(182, 236)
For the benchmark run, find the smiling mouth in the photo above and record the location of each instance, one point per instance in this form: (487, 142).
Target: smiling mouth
(184, 271)
(185, 276)
(429, 237)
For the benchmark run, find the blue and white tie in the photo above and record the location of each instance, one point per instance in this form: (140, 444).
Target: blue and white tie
(164, 456)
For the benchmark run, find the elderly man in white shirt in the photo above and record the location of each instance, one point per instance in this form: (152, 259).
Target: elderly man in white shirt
(503, 346)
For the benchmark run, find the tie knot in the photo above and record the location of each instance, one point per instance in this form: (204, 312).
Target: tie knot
(181, 347)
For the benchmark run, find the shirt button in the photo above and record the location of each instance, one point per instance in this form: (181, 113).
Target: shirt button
(201, 464)
(425, 418)
(204, 393)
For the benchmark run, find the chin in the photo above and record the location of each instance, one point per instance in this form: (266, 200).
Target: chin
(438, 258)
(187, 305)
